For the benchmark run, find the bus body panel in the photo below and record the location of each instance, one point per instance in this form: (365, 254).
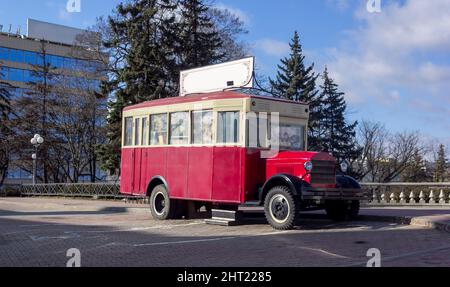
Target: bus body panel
(137, 170)
(214, 174)
(127, 175)
(200, 173)
(227, 174)
(176, 175)
(254, 174)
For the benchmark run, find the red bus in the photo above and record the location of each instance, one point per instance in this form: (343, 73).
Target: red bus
(197, 149)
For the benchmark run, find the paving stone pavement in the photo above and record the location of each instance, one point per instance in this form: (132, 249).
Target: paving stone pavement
(39, 231)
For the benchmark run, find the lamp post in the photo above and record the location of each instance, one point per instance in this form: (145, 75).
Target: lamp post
(36, 141)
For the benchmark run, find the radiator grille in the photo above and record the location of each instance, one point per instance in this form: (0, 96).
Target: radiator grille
(323, 172)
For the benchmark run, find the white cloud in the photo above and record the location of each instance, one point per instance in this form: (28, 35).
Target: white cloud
(272, 47)
(243, 16)
(397, 50)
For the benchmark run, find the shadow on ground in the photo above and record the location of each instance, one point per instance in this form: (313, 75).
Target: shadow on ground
(316, 242)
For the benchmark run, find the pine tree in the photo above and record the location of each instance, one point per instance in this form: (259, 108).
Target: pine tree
(441, 164)
(416, 170)
(142, 39)
(296, 81)
(200, 43)
(337, 136)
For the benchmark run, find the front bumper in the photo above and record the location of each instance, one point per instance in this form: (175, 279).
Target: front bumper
(334, 194)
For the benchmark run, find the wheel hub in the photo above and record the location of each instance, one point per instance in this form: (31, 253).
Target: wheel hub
(279, 208)
(159, 204)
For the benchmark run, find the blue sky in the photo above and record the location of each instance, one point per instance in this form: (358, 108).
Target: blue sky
(394, 66)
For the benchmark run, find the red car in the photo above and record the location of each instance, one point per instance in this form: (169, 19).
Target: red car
(217, 150)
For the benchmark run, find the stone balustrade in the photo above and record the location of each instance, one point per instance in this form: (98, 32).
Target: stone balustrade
(408, 193)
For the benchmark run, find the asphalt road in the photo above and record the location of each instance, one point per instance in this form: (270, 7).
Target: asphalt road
(39, 231)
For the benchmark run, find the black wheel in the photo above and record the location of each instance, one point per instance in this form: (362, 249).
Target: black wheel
(161, 206)
(340, 210)
(281, 208)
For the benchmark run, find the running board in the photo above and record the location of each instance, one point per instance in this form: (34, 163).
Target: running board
(224, 217)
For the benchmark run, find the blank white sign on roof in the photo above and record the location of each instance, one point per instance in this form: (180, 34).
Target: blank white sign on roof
(229, 75)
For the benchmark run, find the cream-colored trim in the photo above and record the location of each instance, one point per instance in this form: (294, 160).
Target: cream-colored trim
(200, 105)
(289, 113)
(285, 109)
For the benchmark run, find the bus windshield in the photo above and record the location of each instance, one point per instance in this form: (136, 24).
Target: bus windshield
(292, 136)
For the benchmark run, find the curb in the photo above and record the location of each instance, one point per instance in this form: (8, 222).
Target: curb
(409, 220)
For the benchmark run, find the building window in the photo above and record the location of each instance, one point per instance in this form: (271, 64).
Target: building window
(202, 127)
(144, 129)
(30, 58)
(228, 127)
(128, 131)
(16, 56)
(4, 54)
(179, 128)
(158, 129)
(15, 75)
(3, 73)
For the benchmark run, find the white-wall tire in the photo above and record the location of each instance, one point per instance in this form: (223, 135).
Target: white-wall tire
(281, 208)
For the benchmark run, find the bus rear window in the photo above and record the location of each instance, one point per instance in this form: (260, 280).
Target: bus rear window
(128, 131)
(228, 127)
(179, 128)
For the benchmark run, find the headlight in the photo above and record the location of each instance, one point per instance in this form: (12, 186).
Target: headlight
(344, 166)
(308, 166)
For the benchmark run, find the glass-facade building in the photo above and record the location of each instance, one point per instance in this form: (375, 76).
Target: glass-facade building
(18, 67)
(21, 58)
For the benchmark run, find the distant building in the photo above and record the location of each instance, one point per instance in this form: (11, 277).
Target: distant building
(21, 54)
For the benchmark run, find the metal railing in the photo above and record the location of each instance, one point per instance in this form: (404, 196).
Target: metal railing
(428, 193)
(95, 190)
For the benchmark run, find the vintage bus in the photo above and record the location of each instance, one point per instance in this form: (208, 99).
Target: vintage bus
(196, 149)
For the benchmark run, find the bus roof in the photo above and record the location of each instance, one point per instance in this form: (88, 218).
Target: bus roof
(204, 97)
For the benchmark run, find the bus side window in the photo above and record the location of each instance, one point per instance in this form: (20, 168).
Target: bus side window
(202, 127)
(258, 129)
(158, 129)
(144, 131)
(228, 127)
(128, 131)
(137, 131)
(179, 128)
